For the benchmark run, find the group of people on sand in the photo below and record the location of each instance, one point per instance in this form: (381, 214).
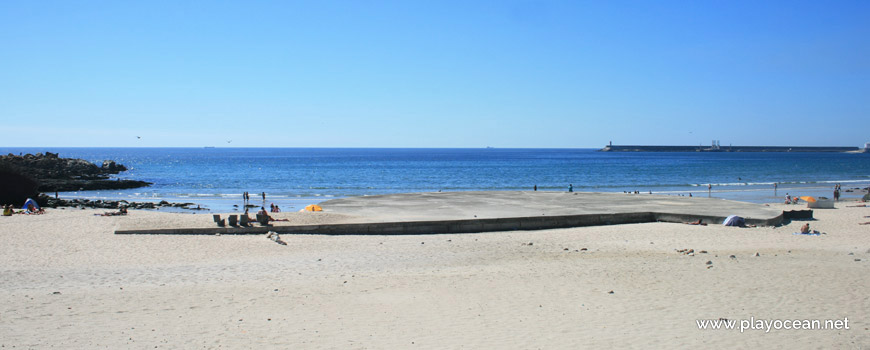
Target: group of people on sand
(8, 210)
(793, 200)
(265, 214)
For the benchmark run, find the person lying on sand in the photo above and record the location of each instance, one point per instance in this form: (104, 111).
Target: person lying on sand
(699, 222)
(122, 211)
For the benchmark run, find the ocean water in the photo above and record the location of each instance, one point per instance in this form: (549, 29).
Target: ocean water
(294, 177)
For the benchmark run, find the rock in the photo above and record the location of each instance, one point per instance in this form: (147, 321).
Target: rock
(53, 173)
(16, 187)
(733, 257)
(709, 262)
(109, 166)
(610, 292)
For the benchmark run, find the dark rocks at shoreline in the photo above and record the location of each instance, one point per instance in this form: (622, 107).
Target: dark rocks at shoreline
(53, 173)
(112, 204)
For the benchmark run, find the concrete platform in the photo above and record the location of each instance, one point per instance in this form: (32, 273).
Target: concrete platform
(468, 212)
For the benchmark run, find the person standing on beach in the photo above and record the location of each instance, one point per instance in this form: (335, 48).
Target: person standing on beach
(570, 187)
(264, 196)
(837, 193)
(536, 187)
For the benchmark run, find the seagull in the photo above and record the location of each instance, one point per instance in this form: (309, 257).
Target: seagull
(229, 141)
(138, 137)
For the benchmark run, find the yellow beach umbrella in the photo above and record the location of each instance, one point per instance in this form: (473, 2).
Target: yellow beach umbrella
(313, 207)
(808, 199)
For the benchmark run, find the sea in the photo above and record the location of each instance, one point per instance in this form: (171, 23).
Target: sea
(292, 178)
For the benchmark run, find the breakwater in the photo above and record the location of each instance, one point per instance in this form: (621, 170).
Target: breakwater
(640, 148)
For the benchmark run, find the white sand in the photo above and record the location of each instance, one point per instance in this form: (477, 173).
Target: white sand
(472, 291)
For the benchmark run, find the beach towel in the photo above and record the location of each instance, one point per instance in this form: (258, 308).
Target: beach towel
(814, 233)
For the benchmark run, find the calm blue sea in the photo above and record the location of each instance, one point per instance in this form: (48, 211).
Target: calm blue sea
(295, 177)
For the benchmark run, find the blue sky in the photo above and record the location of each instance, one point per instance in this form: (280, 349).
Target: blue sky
(433, 73)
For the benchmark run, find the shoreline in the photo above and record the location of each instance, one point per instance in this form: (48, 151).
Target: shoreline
(218, 203)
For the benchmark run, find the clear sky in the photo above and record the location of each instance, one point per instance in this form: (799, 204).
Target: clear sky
(433, 73)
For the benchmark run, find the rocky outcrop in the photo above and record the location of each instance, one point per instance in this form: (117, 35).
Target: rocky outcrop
(112, 204)
(53, 173)
(15, 188)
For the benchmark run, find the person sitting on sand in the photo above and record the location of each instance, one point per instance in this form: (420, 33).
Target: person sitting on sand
(805, 228)
(7, 210)
(265, 214)
(787, 198)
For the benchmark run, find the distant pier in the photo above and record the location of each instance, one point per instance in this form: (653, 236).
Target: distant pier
(638, 148)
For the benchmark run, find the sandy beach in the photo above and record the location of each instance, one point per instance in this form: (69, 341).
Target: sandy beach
(66, 281)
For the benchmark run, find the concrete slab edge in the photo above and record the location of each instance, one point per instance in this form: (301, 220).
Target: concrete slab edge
(456, 226)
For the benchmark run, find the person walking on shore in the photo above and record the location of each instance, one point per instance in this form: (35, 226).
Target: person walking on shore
(837, 193)
(264, 197)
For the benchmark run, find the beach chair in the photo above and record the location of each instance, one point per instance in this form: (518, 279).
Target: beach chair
(218, 220)
(243, 220)
(233, 220)
(263, 219)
